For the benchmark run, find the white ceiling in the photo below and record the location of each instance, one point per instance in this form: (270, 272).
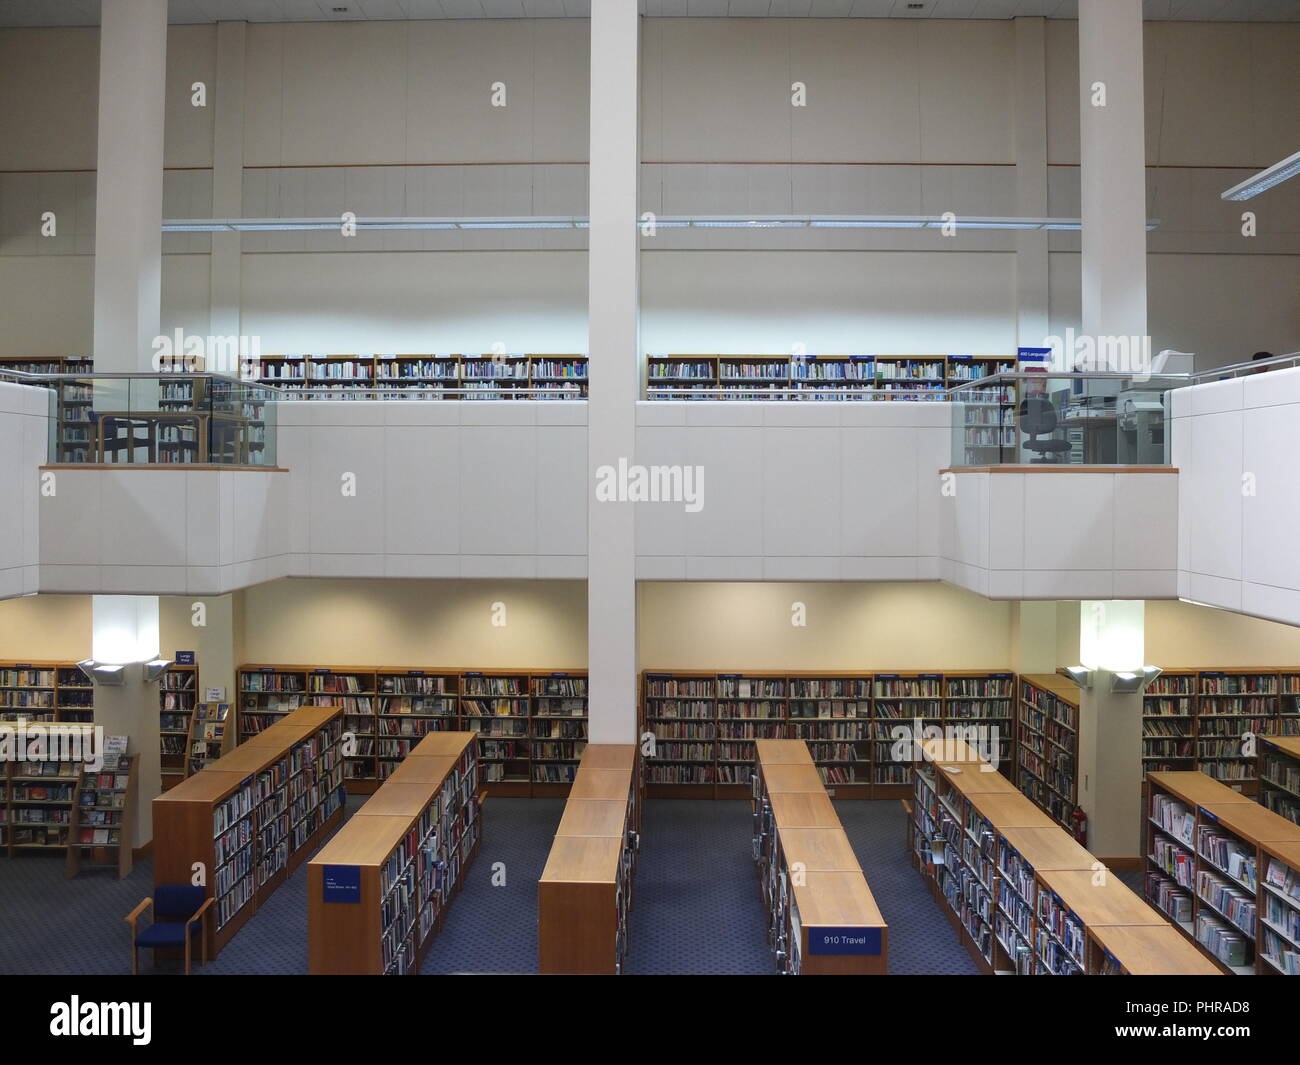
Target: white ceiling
(86, 12)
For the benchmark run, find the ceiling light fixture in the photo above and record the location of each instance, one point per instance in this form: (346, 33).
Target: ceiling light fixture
(1265, 179)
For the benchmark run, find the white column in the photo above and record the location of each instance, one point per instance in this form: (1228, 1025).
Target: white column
(128, 192)
(1032, 321)
(125, 632)
(614, 345)
(227, 181)
(1112, 174)
(1111, 639)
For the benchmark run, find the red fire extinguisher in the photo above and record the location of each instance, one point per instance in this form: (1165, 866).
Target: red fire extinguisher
(1080, 820)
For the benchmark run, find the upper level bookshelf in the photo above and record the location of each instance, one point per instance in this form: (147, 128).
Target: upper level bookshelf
(379, 890)
(532, 724)
(705, 724)
(483, 376)
(1225, 871)
(45, 691)
(73, 400)
(812, 377)
(1024, 897)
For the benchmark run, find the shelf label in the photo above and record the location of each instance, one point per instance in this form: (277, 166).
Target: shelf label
(341, 883)
(415, 673)
(1206, 814)
(185, 658)
(832, 940)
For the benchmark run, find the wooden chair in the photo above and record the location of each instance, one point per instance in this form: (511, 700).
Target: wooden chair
(178, 911)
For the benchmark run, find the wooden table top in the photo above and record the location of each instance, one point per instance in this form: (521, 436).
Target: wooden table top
(782, 752)
(583, 860)
(803, 809)
(601, 784)
(779, 778)
(1256, 823)
(1048, 848)
(1196, 788)
(819, 849)
(838, 900)
(608, 756)
(398, 799)
(593, 817)
(1154, 950)
(363, 840)
(1011, 810)
(1110, 902)
(422, 770)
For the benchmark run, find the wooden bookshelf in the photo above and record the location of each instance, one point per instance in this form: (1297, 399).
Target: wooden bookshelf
(178, 689)
(1279, 775)
(210, 736)
(705, 724)
(1226, 871)
(433, 375)
(822, 917)
(1169, 722)
(585, 891)
(1047, 744)
(780, 377)
(39, 804)
(45, 691)
(252, 816)
(532, 724)
(1022, 895)
(378, 891)
(103, 819)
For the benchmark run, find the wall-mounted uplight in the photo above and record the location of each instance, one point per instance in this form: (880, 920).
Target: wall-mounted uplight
(155, 668)
(102, 672)
(1081, 675)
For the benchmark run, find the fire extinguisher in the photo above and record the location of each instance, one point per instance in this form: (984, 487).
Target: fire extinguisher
(1080, 820)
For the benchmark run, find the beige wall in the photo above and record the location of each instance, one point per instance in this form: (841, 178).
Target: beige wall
(850, 626)
(1181, 634)
(47, 627)
(415, 623)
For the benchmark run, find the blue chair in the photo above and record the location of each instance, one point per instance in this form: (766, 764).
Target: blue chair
(178, 911)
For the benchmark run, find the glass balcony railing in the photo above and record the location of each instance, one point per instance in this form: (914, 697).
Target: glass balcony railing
(194, 419)
(1064, 419)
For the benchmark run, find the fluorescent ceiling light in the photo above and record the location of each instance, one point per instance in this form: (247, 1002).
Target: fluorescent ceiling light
(866, 223)
(1265, 179)
(281, 225)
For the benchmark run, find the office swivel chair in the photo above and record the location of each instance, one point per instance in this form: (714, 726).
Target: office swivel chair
(1038, 419)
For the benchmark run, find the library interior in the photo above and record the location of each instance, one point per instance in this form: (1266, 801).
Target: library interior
(649, 487)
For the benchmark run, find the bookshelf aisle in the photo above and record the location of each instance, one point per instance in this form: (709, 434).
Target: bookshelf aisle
(1224, 871)
(705, 724)
(252, 816)
(532, 724)
(378, 891)
(822, 917)
(1022, 895)
(584, 894)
